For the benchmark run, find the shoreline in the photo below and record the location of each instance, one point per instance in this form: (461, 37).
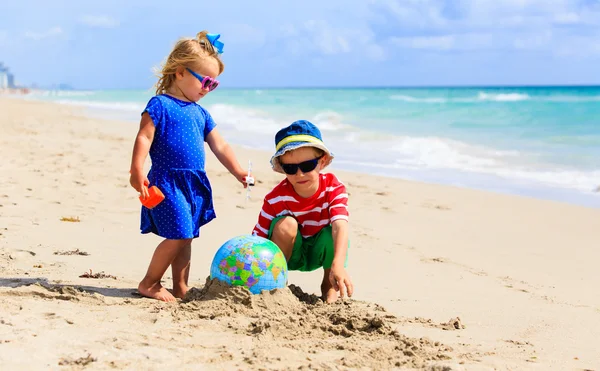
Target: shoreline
(470, 180)
(519, 273)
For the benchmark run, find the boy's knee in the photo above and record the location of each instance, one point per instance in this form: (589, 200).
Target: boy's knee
(286, 227)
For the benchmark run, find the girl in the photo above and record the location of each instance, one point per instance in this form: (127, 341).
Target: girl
(173, 130)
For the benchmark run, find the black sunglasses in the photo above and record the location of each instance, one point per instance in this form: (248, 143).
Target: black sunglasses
(305, 167)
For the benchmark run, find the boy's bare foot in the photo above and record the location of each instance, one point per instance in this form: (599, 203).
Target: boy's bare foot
(328, 293)
(330, 296)
(156, 291)
(179, 290)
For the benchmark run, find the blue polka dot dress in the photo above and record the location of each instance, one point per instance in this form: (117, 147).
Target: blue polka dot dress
(177, 155)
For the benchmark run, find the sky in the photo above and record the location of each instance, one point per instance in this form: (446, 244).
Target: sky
(114, 44)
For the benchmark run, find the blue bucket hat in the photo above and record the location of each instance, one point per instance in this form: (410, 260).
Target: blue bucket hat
(299, 134)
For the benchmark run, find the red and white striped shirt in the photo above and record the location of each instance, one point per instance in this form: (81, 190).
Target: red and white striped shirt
(328, 204)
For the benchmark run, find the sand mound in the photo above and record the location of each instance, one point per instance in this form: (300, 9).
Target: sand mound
(352, 333)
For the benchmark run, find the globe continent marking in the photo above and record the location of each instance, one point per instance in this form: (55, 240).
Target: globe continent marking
(250, 261)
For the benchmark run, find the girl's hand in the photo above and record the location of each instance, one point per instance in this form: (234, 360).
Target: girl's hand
(140, 183)
(241, 177)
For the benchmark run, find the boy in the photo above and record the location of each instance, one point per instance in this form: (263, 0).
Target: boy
(306, 215)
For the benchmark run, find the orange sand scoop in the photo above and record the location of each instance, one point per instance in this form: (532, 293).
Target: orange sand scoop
(155, 197)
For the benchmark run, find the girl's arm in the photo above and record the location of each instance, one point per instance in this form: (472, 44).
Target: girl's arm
(225, 155)
(143, 141)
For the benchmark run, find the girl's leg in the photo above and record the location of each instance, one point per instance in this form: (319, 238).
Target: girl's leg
(163, 256)
(180, 268)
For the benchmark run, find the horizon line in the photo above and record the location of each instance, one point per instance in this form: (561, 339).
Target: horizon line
(509, 86)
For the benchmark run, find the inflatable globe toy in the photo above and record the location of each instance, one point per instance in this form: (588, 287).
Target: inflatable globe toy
(250, 261)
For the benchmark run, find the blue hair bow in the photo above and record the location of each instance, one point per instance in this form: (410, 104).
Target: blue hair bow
(214, 40)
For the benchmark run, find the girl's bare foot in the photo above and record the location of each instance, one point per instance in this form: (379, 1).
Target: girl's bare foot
(155, 291)
(179, 290)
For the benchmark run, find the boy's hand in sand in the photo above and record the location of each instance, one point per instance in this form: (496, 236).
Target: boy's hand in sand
(140, 183)
(340, 280)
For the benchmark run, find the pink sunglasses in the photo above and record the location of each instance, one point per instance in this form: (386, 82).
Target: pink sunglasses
(207, 81)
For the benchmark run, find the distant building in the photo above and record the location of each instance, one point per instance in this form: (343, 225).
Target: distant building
(3, 77)
(10, 80)
(7, 79)
(3, 80)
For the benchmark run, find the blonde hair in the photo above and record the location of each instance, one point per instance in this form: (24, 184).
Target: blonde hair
(186, 53)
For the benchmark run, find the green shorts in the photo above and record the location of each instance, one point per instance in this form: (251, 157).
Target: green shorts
(312, 252)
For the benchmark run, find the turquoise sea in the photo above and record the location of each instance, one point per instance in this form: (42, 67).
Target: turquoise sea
(541, 142)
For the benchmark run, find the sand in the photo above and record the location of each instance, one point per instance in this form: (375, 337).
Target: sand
(445, 278)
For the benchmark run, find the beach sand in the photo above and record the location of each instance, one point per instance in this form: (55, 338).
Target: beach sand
(444, 277)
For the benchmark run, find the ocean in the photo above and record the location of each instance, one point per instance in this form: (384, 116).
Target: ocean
(541, 142)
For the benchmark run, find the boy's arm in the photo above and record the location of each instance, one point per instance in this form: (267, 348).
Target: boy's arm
(225, 155)
(339, 231)
(338, 212)
(339, 278)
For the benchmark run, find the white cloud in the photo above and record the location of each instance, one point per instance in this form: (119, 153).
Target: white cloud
(414, 13)
(443, 25)
(100, 21)
(244, 34)
(445, 42)
(577, 46)
(52, 32)
(376, 52)
(515, 12)
(567, 18)
(288, 30)
(327, 39)
(477, 15)
(534, 41)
